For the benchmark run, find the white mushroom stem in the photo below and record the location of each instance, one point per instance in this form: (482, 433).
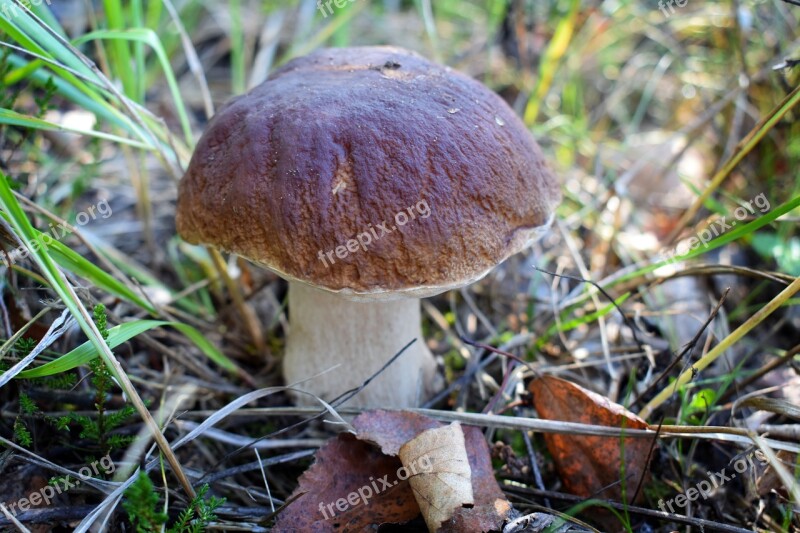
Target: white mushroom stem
(360, 337)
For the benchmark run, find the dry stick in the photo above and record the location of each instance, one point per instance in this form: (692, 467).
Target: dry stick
(67, 513)
(194, 63)
(720, 348)
(537, 475)
(317, 413)
(245, 311)
(700, 523)
(13, 519)
(688, 349)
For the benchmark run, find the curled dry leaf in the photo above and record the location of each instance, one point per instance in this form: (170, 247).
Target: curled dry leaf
(391, 429)
(446, 484)
(591, 465)
(348, 467)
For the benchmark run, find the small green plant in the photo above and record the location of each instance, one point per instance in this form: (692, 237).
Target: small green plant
(99, 428)
(21, 434)
(142, 501)
(96, 428)
(198, 514)
(27, 407)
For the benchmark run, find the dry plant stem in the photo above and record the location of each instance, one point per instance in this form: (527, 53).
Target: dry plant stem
(720, 348)
(247, 314)
(360, 337)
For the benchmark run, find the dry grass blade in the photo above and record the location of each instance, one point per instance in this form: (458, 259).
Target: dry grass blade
(59, 326)
(720, 348)
(744, 147)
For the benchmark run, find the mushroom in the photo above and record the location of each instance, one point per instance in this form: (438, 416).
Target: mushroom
(368, 178)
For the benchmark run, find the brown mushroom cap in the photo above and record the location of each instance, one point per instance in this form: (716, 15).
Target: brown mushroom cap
(338, 142)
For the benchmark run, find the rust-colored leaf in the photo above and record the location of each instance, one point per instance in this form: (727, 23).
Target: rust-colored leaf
(591, 465)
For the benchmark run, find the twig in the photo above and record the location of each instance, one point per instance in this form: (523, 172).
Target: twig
(697, 522)
(245, 311)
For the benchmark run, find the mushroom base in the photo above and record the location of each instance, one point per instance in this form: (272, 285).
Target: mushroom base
(359, 337)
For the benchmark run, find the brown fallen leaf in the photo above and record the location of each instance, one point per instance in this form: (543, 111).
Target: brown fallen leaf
(391, 429)
(445, 483)
(769, 481)
(351, 487)
(591, 465)
(491, 507)
(346, 466)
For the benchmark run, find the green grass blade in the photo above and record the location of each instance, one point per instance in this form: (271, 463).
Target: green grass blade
(75, 263)
(579, 321)
(27, 31)
(722, 240)
(12, 118)
(720, 348)
(120, 334)
(119, 55)
(79, 266)
(149, 37)
(76, 91)
(744, 147)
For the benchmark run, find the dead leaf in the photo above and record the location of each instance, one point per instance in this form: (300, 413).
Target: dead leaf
(359, 482)
(391, 429)
(351, 487)
(591, 465)
(491, 506)
(769, 480)
(443, 483)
